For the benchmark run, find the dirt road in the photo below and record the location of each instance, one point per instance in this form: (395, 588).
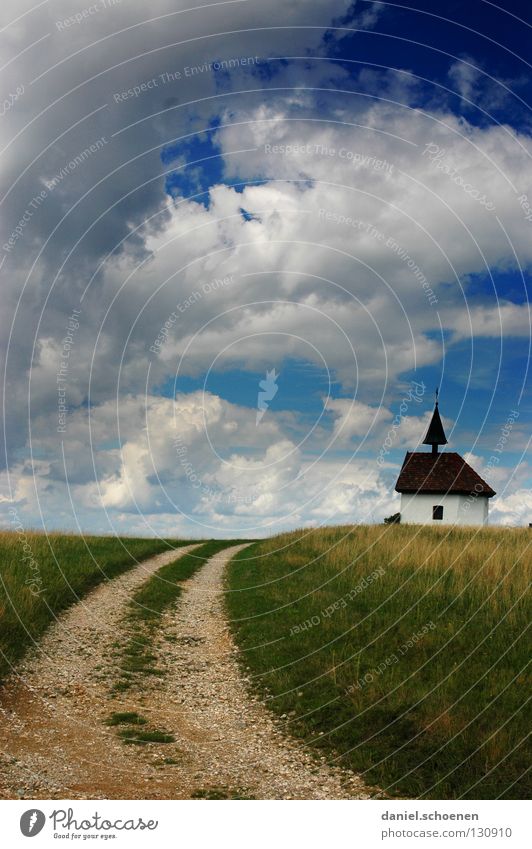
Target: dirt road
(54, 740)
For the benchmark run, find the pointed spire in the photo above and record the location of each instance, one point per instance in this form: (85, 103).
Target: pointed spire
(435, 434)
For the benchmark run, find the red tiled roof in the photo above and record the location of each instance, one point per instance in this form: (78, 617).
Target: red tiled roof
(440, 473)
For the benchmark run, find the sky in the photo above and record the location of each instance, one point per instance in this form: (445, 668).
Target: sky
(241, 244)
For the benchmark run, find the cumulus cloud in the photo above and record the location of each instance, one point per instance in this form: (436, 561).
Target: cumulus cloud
(211, 216)
(200, 460)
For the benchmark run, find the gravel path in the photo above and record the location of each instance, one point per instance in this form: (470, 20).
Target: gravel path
(54, 742)
(229, 739)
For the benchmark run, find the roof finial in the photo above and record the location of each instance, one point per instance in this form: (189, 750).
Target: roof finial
(437, 393)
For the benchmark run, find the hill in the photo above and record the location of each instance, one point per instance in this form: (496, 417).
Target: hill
(399, 652)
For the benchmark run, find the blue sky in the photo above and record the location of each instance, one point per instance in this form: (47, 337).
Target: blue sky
(315, 207)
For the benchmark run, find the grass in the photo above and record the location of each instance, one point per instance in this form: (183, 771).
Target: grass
(156, 595)
(220, 793)
(399, 651)
(136, 736)
(133, 736)
(43, 575)
(126, 718)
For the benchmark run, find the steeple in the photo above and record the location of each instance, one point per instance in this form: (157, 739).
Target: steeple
(435, 434)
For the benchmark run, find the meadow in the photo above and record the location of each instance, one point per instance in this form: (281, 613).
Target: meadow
(43, 575)
(400, 652)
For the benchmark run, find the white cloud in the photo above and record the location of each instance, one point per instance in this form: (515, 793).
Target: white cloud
(514, 509)
(362, 245)
(355, 419)
(178, 469)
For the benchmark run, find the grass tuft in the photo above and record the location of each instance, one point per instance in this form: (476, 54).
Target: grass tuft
(219, 793)
(138, 738)
(126, 718)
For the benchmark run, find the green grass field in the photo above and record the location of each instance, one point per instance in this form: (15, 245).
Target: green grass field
(41, 576)
(400, 652)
